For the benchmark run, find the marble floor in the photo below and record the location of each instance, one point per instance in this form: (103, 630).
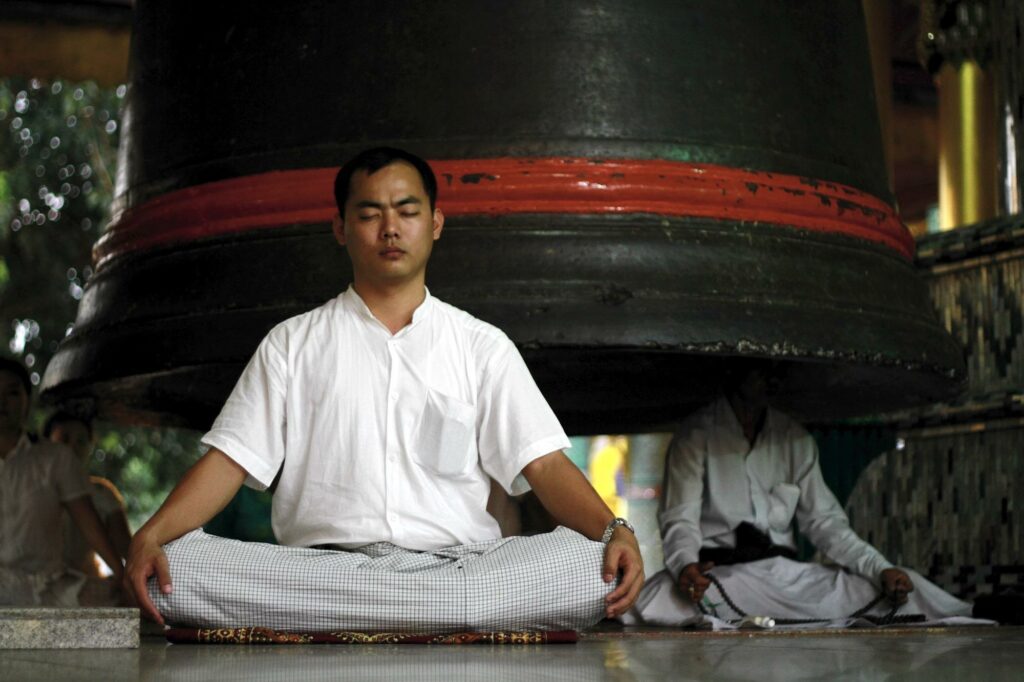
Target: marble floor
(933, 656)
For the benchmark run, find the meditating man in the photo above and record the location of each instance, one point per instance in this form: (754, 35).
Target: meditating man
(737, 474)
(39, 480)
(381, 418)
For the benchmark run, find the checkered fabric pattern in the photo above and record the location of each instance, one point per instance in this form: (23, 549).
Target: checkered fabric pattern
(548, 582)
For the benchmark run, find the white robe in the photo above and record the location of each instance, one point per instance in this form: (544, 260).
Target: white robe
(714, 480)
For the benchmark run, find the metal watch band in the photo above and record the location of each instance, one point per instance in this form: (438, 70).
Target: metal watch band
(615, 523)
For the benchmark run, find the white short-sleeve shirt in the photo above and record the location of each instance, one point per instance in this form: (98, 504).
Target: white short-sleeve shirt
(381, 437)
(35, 480)
(715, 480)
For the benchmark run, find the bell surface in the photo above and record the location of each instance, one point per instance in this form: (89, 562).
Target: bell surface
(636, 193)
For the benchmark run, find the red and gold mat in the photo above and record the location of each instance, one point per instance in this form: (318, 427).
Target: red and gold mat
(257, 635)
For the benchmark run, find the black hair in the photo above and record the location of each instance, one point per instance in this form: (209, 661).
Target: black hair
(64, 417)
(17, 369)
(738, 369)
(372, 160)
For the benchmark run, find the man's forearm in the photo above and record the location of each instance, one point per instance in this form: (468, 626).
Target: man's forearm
(88, 521)
(567, 495)
(204, 490)
(118, 532)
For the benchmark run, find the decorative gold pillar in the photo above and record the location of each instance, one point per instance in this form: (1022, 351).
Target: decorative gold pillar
(968, 173)
(956, 40)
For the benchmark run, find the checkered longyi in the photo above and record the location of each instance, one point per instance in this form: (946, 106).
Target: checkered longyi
(548, 582)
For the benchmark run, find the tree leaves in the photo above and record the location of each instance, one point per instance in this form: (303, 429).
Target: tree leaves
(58, 156)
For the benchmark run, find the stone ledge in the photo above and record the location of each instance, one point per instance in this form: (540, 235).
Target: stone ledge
(79, 628)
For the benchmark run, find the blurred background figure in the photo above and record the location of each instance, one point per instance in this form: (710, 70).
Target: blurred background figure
(76, 432)
(39, 481)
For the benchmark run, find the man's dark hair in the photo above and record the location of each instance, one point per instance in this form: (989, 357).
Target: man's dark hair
(372, 160)
(738, 369)
(17, 369)
(65, 417)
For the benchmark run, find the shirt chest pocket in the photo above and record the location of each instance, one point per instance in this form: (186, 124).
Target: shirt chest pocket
(445, 435)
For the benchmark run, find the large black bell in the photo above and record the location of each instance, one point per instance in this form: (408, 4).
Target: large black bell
(636, 192)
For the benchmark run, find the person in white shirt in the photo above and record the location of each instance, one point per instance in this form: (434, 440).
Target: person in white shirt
(76, 432)
(38, 482)
(382, 418)
(737, 474)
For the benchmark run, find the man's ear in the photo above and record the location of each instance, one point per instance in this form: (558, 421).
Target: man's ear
(438, 223)
(338, 228)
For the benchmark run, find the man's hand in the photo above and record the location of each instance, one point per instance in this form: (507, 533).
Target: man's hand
(204, 490)
(145, 558)
(692, 581)
(896, 585)
(622, 557)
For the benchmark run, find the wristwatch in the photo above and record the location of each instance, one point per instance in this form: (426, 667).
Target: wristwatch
(613, 525)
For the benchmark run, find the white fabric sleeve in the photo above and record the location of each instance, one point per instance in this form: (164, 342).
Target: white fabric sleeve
(515, 424)
(250, 428)
(820, 517)
(69, 475)
(682, 499)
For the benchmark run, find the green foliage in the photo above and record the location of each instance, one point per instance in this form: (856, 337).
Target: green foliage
(58, 144)
(144, 463)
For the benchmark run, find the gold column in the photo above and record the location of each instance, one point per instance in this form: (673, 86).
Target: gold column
(956, 46)
(968, 170)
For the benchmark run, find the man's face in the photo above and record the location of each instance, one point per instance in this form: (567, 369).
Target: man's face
(75, 435)
(13, 403)
(753, 390)
(388, 227)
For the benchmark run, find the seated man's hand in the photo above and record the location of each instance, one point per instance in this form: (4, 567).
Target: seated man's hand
(692, 581)
(622, 557)
(146, 558)
(896, 585)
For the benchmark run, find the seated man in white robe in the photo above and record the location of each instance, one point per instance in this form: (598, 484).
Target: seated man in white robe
(738, 473)
(382, 417)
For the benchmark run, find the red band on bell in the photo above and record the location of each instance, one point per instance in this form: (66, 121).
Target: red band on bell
(504, 186)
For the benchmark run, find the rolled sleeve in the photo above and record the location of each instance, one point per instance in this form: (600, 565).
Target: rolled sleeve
(682, 500)
(515, 423)
(820, 517)
(250, 428)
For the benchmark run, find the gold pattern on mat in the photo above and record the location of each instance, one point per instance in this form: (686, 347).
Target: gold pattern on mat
(261, 635)
(368, 638)
(250, 636)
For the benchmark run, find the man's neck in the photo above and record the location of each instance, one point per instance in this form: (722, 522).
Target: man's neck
(751, 420)
(393, 306)
(8, 441)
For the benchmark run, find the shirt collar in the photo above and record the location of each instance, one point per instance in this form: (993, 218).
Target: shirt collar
(24, 443)
(355, 303)
(726, 418)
